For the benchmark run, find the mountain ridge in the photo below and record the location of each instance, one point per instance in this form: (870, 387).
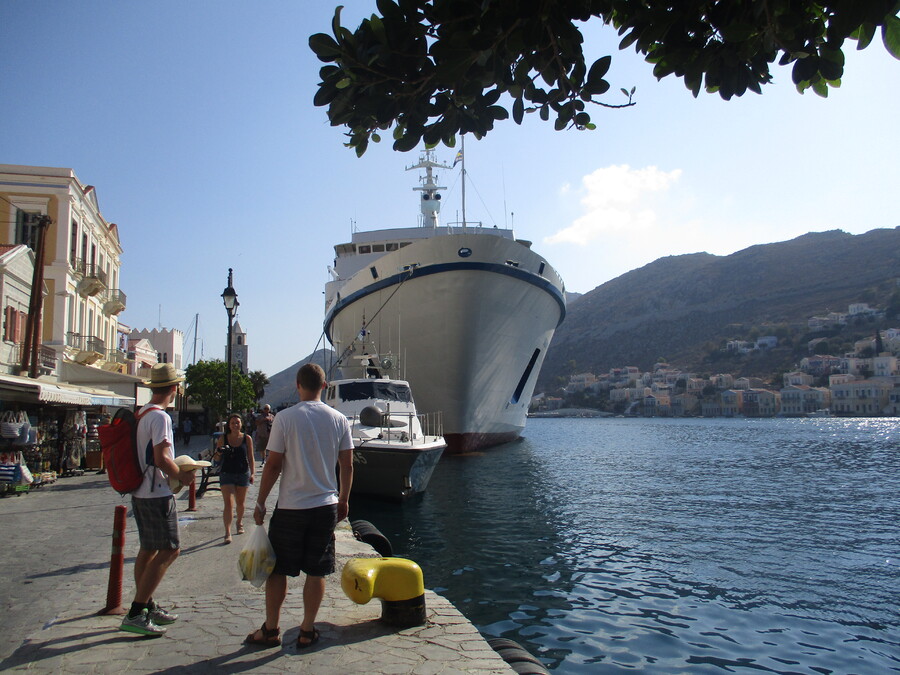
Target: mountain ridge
(669, 308)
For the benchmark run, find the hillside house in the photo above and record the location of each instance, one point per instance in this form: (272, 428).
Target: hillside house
(761, 403)
(861, 398)
(799, 400)
(731, 402)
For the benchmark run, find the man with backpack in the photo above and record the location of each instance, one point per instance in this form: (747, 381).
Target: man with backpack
(153, 504)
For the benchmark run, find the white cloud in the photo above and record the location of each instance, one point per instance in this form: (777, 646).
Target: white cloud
(616, 199)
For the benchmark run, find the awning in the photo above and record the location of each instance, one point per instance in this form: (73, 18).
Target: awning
(117, 401)
(51, 393)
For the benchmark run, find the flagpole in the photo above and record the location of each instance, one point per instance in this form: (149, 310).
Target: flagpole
(463, 153)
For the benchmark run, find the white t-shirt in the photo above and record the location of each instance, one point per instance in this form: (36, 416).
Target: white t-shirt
(309, 435)
(154, 428)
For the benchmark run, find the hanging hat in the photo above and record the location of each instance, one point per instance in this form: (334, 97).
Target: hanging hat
(163, 375)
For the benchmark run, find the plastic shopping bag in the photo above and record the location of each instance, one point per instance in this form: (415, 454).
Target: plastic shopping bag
(257, 558)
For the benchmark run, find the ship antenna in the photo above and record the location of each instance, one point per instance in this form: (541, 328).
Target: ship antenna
(430, 197)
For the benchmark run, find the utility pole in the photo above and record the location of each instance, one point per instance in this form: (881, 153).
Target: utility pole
(31, 346)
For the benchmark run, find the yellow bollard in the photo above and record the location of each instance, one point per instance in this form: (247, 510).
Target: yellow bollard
(397, 582)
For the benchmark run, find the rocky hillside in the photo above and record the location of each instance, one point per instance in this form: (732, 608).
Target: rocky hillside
(680, 307)
(282, 388)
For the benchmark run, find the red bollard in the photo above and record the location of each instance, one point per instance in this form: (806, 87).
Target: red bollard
(192, 497)
(116, 565)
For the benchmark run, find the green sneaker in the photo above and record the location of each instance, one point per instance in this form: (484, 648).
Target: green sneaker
(142, 625)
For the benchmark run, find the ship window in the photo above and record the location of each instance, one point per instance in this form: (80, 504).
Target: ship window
(391, 247)
(377, 248)
(374, 272)
(541, 270)
(365, 249)
(522, 382)
(403, 244)
(384, 391)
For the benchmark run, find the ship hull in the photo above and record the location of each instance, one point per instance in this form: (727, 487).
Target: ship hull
(470, 317)
(391, 472)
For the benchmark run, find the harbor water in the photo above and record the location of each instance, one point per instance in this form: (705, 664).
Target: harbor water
(672, 546)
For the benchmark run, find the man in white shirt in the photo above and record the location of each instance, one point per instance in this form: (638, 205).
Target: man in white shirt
(306, 442)
(153, 504)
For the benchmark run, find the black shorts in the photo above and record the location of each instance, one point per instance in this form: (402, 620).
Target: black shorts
(157, 522)
(303, 540)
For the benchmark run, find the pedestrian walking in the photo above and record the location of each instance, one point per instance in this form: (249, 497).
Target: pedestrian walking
(234, 450)
(263, 423)
(306, 442)
(187, 429)
(153, 504)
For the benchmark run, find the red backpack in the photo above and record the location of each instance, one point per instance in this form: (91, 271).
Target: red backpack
(118, 442)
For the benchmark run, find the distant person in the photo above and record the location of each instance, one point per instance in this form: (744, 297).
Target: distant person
(234, 450)
(307, 441)
(187, 429)
(263, 423)
(153, 505)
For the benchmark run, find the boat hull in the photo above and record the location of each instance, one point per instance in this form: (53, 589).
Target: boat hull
(393, 473)
(470, 316)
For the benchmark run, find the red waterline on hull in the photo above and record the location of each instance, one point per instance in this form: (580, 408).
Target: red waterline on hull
(458, 444)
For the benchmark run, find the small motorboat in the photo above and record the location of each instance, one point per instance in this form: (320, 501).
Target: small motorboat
(395, 449)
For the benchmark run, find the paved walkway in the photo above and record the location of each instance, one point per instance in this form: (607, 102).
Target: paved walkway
(217, 611)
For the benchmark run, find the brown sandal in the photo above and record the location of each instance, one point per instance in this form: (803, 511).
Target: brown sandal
(270, 638)
(311, 635)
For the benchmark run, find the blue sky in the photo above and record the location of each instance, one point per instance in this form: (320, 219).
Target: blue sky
(194, 120)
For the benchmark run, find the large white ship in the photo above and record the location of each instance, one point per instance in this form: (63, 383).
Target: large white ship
(467, 312)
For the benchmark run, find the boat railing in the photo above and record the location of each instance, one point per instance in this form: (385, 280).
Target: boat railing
(431, 424)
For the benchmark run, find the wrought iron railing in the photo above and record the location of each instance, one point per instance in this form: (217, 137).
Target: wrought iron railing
(85, 343)
(89, 270)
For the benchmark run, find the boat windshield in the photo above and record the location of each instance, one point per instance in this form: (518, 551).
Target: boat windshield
(385, 391)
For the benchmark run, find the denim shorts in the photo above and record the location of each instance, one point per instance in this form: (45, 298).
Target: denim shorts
(236, 479)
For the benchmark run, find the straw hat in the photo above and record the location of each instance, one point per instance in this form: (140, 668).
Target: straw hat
(163, 375)
(189, 463)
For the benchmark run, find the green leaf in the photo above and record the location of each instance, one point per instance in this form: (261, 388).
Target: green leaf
(737, 32)
(324, 46)
(890, 34)
(343, 83)
(597, 72)
(407, 142)
(498, 112)
(325, 95)
(864, 35)
(518, 111)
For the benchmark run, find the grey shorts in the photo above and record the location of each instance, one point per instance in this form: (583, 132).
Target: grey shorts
(303, 540)
(157, 523)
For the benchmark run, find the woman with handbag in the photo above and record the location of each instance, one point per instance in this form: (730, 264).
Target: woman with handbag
(234, 451)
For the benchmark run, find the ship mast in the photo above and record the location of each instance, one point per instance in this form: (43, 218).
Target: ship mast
(430, 199)
(462, 157)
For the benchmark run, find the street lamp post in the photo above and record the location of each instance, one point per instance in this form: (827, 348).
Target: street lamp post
(229, 297)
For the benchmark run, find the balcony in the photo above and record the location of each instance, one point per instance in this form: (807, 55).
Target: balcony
(85, 349)
(116, 361)
(91, 279)
(115, 302)
(46, 358)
